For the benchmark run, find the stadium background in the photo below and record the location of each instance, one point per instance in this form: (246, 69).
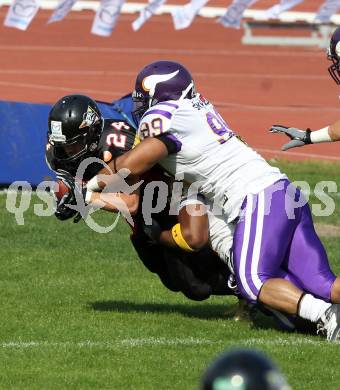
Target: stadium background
(72, 316)
(253, 87)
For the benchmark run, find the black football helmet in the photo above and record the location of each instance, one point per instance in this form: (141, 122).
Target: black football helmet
(161, 81)
(243, 369)
(75, 124)
(333, 54)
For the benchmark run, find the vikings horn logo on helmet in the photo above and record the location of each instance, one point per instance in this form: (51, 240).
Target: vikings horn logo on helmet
(158, 82)
(150, 82)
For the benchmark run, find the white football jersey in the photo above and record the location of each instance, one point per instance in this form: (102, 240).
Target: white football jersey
(210, 156)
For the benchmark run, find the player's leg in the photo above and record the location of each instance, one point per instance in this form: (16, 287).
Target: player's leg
(335, 293)
(209, 268)
(261, 241)
(308, 262)
(152, 257)
(180, 271)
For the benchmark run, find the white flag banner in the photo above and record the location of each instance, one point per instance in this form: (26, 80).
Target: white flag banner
(233, 15)
(106, 17)
(184, 16)
(21, 13)
(146, 13)
(62, 9)
(327, 9)
(277, 9)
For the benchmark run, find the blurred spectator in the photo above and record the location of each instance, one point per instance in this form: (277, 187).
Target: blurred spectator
(243, 369)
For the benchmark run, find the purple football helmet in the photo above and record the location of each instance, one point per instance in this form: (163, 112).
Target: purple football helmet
(161, 81)
(333, 55)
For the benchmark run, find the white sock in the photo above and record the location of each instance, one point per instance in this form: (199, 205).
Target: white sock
(312, 308)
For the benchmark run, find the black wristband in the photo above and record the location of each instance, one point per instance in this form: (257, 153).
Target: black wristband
(307, 139)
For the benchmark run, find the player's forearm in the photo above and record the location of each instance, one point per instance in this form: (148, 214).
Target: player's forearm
(113, 202)
(192, 231)
(137, 161)
(329, 133)
(334, 131)
(186, 242)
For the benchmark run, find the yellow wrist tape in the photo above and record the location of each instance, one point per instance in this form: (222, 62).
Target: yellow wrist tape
(179, 239)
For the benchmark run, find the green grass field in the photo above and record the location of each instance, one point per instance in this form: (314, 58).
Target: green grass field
(79, 311)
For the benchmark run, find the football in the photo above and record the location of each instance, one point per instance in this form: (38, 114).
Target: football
(60, 189)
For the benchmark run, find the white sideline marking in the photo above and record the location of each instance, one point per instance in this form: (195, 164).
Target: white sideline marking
(133, 74)
(106, 344)
(152, 341)
(317, 54)
(165, 341)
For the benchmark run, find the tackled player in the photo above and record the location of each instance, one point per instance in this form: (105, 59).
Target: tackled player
(77, 131)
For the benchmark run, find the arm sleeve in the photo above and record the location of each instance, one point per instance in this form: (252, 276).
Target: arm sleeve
(172, 144)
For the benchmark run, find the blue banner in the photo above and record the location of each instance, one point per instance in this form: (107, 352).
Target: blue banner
(23, 129)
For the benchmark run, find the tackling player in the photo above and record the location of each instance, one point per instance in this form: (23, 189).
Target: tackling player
(77, 131)
(329, 133)
(278, 259)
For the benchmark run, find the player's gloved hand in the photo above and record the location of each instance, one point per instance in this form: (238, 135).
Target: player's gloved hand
(298, 137)
(76, 192)
(153, 231)
(63, 212)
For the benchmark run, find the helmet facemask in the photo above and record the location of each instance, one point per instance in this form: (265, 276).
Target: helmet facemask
(141, 103)
(78, 148)
(333, 54)
(334, 69)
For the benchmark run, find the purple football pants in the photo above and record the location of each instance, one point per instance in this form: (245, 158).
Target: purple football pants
(275, 238)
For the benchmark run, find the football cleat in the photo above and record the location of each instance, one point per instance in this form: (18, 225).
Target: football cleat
(240, 311)
(329, 323)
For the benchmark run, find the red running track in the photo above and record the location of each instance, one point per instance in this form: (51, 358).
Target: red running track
(253, 86)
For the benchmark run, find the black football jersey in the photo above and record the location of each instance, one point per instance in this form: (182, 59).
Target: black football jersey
(117, 138)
